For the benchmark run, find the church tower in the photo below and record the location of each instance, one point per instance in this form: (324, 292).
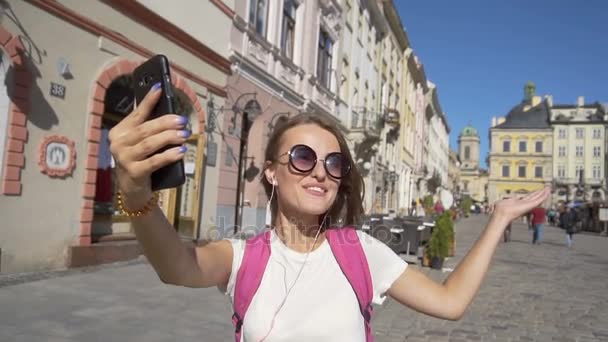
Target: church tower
(468, 150)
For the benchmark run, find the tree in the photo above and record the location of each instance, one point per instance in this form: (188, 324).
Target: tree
(434, 183)
(466, 204)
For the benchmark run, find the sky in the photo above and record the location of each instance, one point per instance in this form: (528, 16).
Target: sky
(480, 54)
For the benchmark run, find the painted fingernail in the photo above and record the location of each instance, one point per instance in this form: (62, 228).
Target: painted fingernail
(183, 149)
(184, 133)
(156, 86)
(182, 120)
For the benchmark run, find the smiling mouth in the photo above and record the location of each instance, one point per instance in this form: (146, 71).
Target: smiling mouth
(315, 190)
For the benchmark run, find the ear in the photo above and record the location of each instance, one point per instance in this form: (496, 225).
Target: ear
(269, 173)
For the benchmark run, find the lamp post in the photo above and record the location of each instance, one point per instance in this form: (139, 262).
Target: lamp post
(249, 112)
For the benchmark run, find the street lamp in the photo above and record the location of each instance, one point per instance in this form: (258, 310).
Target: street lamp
(252, 108)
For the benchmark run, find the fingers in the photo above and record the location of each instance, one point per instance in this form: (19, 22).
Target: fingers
(150, 128)
(143, 109)
(154, 143)
(155, 162)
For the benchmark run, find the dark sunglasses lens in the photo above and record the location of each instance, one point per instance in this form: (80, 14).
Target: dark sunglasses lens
(337, 165)
(303, 158)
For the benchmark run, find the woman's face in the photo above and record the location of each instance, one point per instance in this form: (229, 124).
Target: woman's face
(309, 193)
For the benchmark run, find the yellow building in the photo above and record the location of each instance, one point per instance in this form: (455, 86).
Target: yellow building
(521, 149)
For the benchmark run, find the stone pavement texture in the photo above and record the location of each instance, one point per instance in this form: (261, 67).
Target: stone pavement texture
(531, 293)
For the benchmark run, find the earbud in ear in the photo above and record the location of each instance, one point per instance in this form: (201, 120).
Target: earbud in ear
(274, 181)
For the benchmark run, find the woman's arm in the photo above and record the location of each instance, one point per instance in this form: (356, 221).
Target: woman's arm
(451, 299)
(132, 142)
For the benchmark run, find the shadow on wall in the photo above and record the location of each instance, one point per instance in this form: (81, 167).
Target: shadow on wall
(32, 56)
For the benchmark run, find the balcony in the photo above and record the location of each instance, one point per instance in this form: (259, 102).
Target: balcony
(368, 122)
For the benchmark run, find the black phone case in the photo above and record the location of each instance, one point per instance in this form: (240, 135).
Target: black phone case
(155, 70)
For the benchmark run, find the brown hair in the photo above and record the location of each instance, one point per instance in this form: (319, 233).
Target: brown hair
(348, 205)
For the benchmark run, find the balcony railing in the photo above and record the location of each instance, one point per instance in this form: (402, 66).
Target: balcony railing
(368, 121)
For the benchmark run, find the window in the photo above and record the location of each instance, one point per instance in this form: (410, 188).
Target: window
(506, 171)
(324, 59)
(538, 172)
(344, 81)
(523, 146)
(467, 153)
(579, 151)
(597, 133)
(562, 133)
(538, 147)
(597, 151)
(521, 171)
(596, 172)
(506, 146)
(561, 171)
(289, 28)
(258, 13)
(561, 151)
(579, 172)
(4, 105)
(580, 133)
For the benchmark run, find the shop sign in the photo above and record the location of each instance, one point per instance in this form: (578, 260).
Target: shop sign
(57, 156)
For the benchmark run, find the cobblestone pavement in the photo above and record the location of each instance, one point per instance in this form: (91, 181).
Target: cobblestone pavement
(531, 293)
(543, 292)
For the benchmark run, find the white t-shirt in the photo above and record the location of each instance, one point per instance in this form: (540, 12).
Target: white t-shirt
(322, 306)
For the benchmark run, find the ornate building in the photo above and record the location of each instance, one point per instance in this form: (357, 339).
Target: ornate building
(579, 131)
(521, 148)
(473, 180)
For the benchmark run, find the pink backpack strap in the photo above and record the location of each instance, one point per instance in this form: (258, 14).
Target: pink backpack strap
(349, 254)
(249, 277)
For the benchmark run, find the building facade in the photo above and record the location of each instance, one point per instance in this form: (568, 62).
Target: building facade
(521, 149)
(579, 132)
(439, 130)
(285, 59)
(473, 180)
(364, 28)
(66, 83)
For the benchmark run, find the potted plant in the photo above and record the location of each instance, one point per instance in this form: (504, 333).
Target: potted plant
(450, 233)
(438, 243)
(466, 204)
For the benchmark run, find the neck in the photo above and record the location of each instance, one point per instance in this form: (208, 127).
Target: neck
(298, 233)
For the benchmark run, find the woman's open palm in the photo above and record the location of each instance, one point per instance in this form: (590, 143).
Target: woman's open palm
(513, 208)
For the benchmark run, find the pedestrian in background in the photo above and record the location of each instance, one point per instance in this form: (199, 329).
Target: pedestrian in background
(537, 221)
(568, 222)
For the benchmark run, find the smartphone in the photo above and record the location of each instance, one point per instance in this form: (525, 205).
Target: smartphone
(153, 71)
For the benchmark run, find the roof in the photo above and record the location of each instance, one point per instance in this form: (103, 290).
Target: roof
(535, 118)
(469, 131)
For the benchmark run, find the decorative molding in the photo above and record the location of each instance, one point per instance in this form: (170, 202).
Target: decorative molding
(17, 133)
(63, 12)
(57, 156)
(223, 7)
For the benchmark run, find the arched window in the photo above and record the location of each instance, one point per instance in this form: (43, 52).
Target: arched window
(467, 152)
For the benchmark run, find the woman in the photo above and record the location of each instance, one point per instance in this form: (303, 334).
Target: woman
(303, 295)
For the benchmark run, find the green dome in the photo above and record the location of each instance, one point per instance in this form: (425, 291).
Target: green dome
(469, 131)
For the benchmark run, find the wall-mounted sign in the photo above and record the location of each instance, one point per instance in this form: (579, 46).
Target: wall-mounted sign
(57, 90)
(211, 153)
(57, 156)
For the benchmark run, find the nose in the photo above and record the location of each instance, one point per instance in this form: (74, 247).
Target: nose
(318, 171)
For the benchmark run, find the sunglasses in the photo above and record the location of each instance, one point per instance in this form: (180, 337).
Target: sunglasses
(304, 159)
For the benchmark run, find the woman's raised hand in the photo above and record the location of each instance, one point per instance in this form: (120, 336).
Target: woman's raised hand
(133, 142)
(512, 208)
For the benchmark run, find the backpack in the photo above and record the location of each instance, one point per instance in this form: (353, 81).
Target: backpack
(347, 250)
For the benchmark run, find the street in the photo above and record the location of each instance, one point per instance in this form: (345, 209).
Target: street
(531, 293)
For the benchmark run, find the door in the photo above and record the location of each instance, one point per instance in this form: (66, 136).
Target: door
(188, 196)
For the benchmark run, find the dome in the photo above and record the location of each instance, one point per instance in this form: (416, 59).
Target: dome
(469, 131)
